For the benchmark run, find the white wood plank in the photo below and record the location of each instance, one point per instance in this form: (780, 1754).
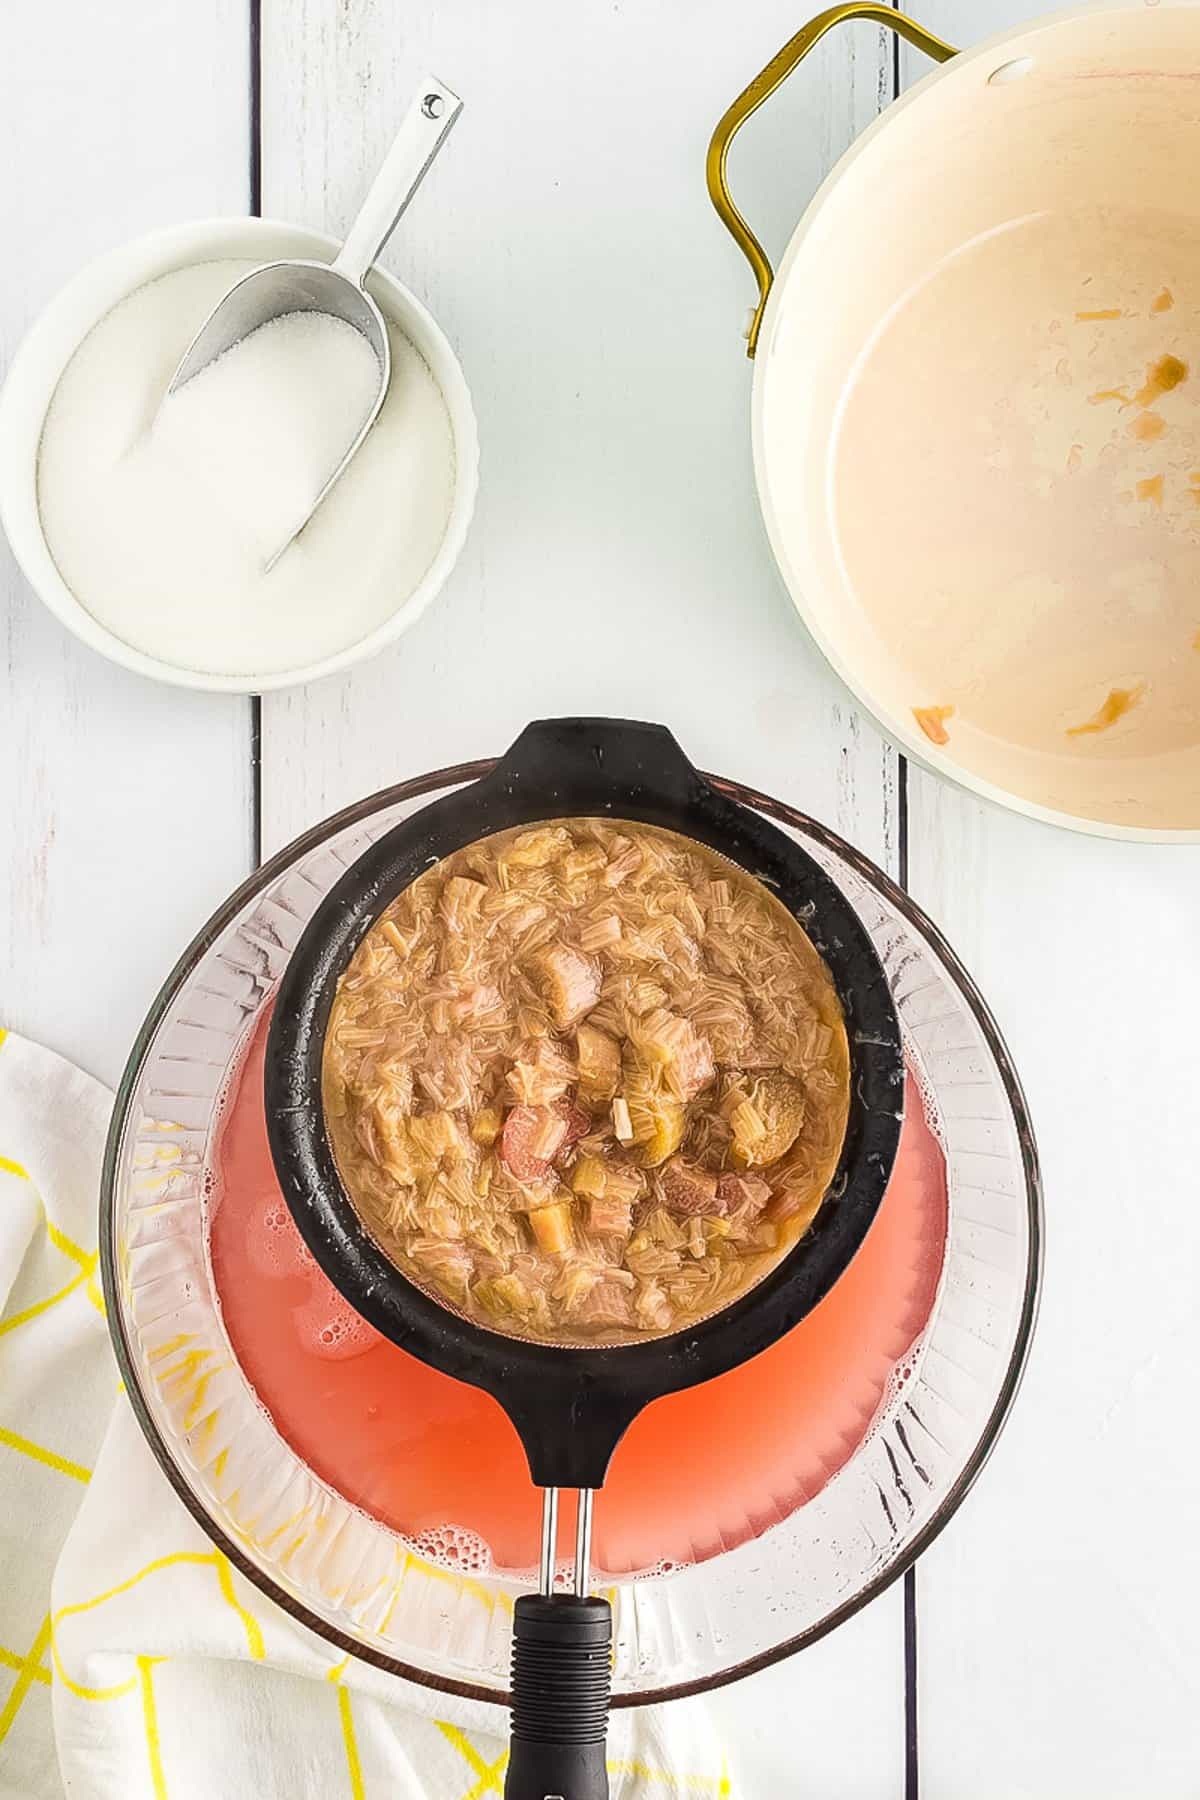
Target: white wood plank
(126, 807)
(1059, 1617)
(566, 243)
(617, 563)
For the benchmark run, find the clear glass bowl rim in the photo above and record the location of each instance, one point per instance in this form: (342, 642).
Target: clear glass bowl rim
(415, 788)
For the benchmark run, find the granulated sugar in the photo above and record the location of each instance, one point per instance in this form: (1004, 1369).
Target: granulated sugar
(161, 522)
(261, 429)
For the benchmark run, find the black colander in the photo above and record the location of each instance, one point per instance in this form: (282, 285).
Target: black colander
(570, 1406)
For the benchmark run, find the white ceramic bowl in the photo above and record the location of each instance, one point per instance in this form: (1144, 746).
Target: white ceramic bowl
(57, 334)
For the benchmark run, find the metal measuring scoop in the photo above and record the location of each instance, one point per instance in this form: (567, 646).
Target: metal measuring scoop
(279, 288)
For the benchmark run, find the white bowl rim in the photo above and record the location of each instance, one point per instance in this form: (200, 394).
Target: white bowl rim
(46, 349)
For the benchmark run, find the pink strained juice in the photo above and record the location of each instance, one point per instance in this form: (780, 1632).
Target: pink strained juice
(439, 1462)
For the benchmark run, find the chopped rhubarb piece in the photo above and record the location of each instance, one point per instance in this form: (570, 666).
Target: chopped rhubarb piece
(736, 1191)
(531, 1138)
(693, 1067)
(570, 982)
(485, 1126)
(551, 1226)
(798, 1205)
(623, 861)
(653, 1308)
(610, 1217)
(461, 900)
(658, 1121)
(597, 934)
(767, 1124)
(688, 1189)
(535, 849)
(577, 1122)
(599, 1058)
(448, 1265)
(541, 1074)
(781, 1102)
(608, 1306)
(589, 1177)
(684, 1054)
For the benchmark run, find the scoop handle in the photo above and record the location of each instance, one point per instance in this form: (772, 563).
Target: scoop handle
(561, 1676)
(420, 137)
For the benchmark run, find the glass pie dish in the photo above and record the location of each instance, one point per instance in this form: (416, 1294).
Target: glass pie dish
(368, 1589)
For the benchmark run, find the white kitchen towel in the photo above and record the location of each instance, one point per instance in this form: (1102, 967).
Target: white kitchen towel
(135, 1662)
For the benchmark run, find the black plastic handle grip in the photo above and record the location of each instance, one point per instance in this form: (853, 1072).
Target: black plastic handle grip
(585, 765)
(561, 1674)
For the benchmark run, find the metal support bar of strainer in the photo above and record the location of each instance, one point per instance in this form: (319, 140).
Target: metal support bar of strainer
(583, 1541)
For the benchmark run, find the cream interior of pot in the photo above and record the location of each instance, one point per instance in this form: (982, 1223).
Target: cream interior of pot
(978, 418)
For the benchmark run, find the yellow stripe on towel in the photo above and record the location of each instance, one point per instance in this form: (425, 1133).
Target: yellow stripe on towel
(41, 1306)
(39, 1453)
(86, 1259)
(10, 1660)
(353, 1765)
(489, 1774)
(202, 1557)
(150, 1717)
(24, 1681)
(81, 1692)
(254, 1636)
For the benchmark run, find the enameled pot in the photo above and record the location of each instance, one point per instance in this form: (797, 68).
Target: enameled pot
(975, 430)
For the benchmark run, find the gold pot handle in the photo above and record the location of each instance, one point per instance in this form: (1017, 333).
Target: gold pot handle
(760, 89)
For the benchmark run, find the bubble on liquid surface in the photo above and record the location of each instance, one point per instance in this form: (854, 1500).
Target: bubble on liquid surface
(666, 1565)
(329, 1327)
(273, 1244)
(453, 1547)
(929, 1104)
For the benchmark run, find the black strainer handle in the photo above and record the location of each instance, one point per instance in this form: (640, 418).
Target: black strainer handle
(561, 1673)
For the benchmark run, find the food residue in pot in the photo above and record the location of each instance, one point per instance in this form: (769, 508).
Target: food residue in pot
(1119, 702)
(586, 1082)
(1035, 543)
(161, 514)
(932, 720)
(1162, 377)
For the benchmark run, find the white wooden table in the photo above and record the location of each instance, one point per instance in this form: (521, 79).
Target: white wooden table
(1049, 1644)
